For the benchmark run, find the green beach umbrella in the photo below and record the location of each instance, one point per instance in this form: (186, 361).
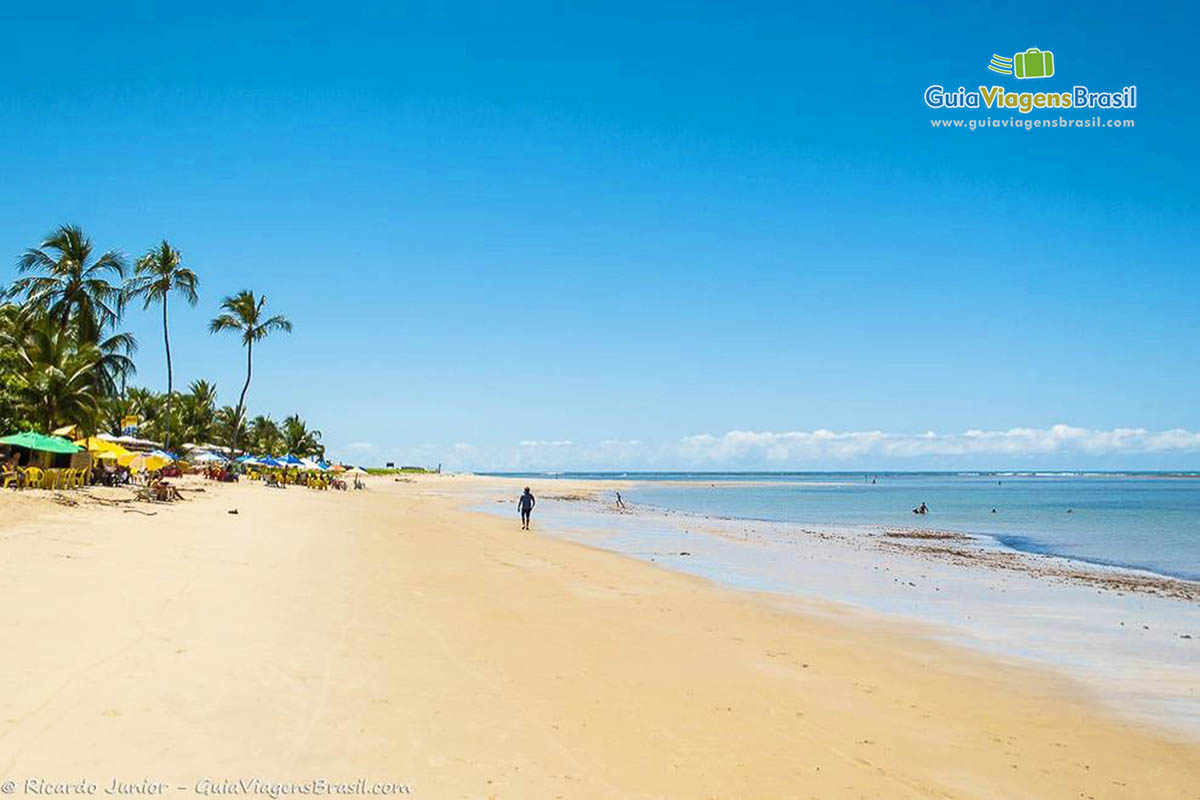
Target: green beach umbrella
(40, 441)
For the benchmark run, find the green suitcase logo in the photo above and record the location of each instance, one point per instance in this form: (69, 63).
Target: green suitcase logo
(1033, 63)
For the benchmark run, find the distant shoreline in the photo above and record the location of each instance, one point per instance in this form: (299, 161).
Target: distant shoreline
(733, 476)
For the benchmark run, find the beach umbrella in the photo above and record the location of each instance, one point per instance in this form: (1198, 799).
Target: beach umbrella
(104, 455)
(136, 462)
(308, 463)
(165, 455)
(356, 471)
(337, 468)
(268, 461)
(208, 458)
(291, 461)
(40, 441)
(98, 445)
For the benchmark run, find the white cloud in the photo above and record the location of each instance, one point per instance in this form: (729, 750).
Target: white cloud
(1057, 446)
(800, 446)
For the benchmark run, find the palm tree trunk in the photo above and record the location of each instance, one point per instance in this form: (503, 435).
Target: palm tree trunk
(242, 399)
(170, 379)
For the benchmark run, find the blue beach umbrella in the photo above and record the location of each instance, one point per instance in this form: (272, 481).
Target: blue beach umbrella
(291, 461)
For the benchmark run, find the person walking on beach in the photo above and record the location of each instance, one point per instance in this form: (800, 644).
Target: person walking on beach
(525, 506)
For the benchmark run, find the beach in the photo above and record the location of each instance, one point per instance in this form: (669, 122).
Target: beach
(401, 636)
(1129, 635)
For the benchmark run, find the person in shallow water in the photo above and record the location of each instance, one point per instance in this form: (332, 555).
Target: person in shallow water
(525, 506)
(921, 509)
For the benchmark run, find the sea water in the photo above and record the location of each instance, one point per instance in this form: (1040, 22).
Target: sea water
(1148, 521)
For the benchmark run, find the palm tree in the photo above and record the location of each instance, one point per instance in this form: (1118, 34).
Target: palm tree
(72, 285)
(230, 425)
(204, 393)
(196, 413)
(116, 364)
(56, 382)
(199, 411)
(264, 433)
(299, 440)
(244, 313)
(159, 273)
(39, 359)
(11, 323)
(145, 404)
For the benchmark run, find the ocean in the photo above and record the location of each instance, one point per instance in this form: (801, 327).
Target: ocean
(1148, 521)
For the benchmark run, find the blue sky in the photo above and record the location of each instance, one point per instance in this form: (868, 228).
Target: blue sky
(638, 224)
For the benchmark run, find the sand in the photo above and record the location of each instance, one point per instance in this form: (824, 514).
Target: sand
(391, 635)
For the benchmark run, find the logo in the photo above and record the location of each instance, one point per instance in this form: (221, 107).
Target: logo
(1001, 64)
(1032, 63)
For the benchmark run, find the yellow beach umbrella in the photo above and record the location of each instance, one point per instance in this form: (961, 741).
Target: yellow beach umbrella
(103, 450)
(136, 462)
(98, 445)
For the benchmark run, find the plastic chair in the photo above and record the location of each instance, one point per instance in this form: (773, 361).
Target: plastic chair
(33, 478)
(10, 478)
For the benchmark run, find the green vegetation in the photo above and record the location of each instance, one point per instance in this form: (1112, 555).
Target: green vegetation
(65, 361)
(244, 314)
(398, 471)
(159, 273)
